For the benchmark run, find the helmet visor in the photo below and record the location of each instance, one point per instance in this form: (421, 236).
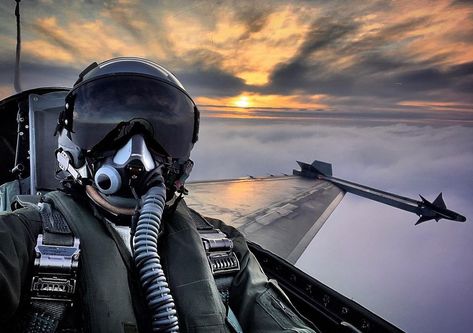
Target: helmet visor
(98, 106)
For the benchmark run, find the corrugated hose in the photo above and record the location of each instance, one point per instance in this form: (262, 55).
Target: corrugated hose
(147, 261)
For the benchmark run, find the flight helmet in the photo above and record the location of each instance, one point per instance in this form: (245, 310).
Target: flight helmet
(122, 105)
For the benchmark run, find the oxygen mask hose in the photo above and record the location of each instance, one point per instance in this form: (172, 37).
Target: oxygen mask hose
(147, 261)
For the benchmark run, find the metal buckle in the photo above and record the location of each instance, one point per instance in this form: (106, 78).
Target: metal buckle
(215, 240)
(223, 263)
(53, 288)
(219, 250)
(55, 271)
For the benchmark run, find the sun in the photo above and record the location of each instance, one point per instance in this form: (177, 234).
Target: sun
(242, 102)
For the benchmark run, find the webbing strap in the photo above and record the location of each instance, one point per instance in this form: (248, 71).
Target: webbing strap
(200, 222)
(55, 229)
(219, 249)
(44, 316)
(223, 263)
(223, 283)
(55, 269)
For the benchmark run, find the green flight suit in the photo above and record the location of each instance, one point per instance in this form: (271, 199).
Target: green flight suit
(109, 296)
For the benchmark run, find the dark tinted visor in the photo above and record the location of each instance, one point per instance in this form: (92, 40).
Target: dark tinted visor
(98, 106)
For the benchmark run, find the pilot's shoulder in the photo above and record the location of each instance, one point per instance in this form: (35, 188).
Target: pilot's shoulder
(22, 225)
(25, 214)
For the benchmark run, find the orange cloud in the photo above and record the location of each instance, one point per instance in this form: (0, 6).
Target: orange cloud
(438, 106)
(44, 50)
(253, 100)
(438, 35)
(250, 56)
(79, 42)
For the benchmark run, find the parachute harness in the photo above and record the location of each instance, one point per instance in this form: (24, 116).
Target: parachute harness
(148, 261)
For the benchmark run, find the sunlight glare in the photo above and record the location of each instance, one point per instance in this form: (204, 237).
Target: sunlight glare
(243, 102)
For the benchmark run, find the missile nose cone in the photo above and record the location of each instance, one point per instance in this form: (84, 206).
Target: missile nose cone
(461, 218)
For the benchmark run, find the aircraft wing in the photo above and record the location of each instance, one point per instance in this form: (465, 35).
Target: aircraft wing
(282, 214)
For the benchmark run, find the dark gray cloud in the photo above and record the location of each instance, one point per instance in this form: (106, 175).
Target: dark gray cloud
(253, 15)
(461, 3)
(455, 80)
(375, 75)
(376, 71)
(301, 74)
(386, 38)
(398, 29)
(211, 82)
(324, 32)
(202, 81)
(34, 74)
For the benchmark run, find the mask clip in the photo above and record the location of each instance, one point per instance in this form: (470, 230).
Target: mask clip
(64, 163)
(135, 171)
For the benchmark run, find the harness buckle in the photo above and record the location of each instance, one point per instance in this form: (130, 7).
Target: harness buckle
(55, 270)
(219, 250)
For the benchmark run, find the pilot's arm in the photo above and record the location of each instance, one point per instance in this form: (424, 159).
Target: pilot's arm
(18, 233)
(259, 304)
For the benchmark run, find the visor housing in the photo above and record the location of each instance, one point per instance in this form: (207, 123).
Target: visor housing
(95, 108)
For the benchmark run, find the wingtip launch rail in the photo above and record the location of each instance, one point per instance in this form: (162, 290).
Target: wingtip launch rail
(425, 209)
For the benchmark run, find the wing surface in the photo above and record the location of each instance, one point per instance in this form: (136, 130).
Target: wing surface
(281, 214)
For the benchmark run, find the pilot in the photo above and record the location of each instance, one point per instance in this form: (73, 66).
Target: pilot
(117, 249)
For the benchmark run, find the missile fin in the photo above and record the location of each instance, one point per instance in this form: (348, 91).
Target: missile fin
(439, 202)
(423, 219)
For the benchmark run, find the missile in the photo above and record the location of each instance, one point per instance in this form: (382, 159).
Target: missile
(425, 209)
(436, 210)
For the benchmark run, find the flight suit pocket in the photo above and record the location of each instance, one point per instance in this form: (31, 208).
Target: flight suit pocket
(210, 323)
(200, 307)
(280, 313)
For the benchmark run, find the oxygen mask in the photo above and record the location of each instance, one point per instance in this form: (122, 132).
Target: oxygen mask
(126, 169)
(123, 176)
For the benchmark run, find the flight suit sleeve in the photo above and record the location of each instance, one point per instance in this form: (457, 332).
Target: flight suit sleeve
(259, 304)
(18, 232)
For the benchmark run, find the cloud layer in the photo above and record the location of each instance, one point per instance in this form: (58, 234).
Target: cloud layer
(417, 277)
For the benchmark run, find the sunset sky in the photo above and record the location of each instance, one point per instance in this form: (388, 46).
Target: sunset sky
(337, 56)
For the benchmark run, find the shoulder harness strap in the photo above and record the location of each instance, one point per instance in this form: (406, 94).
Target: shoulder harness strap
(223, 262)
(55, 269)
